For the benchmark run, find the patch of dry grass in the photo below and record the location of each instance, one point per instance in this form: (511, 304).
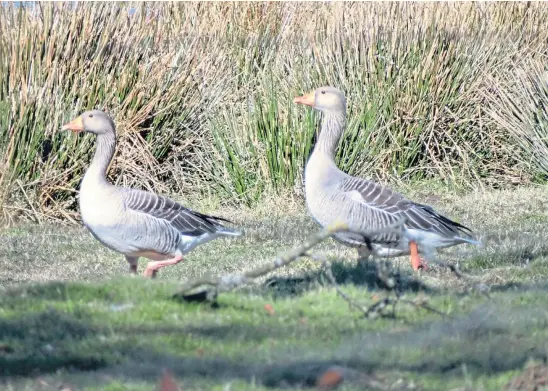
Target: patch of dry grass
(201, 94)
(512, 224)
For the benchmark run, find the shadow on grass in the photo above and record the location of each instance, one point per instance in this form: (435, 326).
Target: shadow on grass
(520, 287)
(46, 341)
(491, 339)
(362, 274)
(57, 291)
(512, 256)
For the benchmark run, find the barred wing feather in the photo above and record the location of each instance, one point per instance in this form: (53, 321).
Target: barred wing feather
(184, 220)
(384, 206)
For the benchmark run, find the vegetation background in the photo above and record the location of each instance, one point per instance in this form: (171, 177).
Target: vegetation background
(202, 95)
(442, 96)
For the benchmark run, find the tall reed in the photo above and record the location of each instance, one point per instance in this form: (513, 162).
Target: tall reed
(202, 94)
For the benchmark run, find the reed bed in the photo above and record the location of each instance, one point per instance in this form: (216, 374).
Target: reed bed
(202, 95)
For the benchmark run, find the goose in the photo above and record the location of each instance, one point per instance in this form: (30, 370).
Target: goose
(332, 195)
(133, 222)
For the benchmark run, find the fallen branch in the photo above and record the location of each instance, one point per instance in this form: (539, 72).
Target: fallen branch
(232, 281)
(472, 281)
(376, 308)
(333, 282)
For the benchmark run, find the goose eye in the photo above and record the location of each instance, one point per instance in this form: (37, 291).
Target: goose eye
(323, 92)
(91, 116)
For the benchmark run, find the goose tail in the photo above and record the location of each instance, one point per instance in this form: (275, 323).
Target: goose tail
(225, 231)
(221, 228)
(470, 240)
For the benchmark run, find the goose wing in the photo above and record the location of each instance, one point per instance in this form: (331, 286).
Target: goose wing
(184, 220)
(379, 206)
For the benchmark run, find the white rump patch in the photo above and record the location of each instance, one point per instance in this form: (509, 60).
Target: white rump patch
(188, 242)
(429, 239)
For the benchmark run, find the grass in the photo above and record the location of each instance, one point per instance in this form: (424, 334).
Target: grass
(70, 316)
(202, 95)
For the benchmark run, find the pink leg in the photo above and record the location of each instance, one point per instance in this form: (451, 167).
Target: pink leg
(153, 267)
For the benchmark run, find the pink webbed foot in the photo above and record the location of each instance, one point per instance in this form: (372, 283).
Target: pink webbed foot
(153, 267)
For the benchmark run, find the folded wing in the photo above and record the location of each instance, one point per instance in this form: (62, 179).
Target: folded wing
(185, 221)
(380, 206)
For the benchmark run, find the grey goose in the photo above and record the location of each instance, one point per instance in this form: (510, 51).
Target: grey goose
(133, 222)
(332, 195)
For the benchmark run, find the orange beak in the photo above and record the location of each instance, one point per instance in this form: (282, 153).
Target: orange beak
(308, 99)
(76, 125)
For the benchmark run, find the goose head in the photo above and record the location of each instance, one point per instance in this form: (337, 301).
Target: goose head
(94, 121)
(325, 99)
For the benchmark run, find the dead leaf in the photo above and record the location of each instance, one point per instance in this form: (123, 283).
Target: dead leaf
(268, 308)
(329, 380)
(167, 383)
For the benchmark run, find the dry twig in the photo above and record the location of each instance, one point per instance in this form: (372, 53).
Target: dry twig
(472, 282)
(333, 282)
(376, 308)
(231, 281)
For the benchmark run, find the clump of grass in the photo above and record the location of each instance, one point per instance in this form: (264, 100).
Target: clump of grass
(202, 94)
(518, 103)
(261, 146)
(135, 67)
(413, 88)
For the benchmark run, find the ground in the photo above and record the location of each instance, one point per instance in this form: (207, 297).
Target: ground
(72, 318)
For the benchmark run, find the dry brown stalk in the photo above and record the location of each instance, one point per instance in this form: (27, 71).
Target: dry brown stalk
(232, 281)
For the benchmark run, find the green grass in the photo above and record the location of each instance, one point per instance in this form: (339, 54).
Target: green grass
(70, 315)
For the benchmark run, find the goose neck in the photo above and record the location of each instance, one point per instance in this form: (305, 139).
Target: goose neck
(330, 133)
(106, 145)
